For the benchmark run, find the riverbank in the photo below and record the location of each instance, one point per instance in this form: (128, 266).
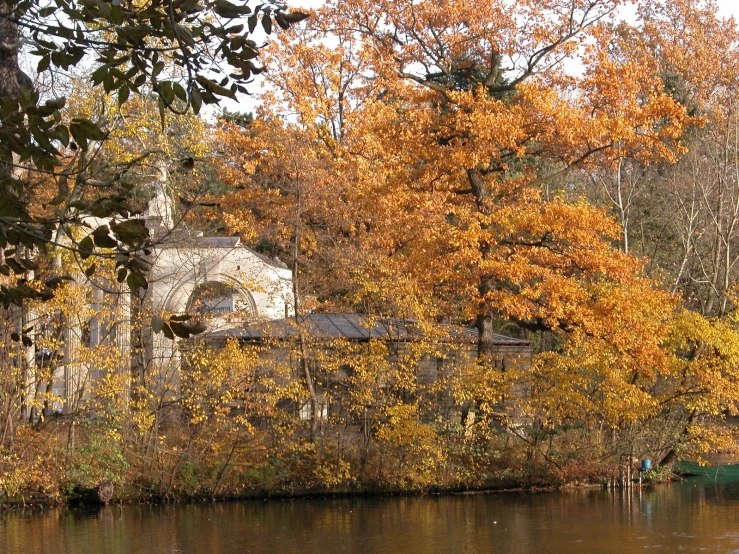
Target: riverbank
(91, 497)
(63, 461)
(692, 516)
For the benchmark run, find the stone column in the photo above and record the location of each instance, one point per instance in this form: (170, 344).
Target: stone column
(25, 360)
(72, 368)
(123, 341)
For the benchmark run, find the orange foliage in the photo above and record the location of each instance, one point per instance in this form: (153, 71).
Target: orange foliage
(425, 136)
(429, 132)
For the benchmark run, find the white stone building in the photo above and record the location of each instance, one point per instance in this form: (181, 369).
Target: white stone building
(218, 279)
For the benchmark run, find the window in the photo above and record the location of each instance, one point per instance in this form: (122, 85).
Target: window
(305, 409)
(215, 299)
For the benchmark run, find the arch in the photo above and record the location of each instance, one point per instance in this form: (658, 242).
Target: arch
(180, 299)
(219, 297)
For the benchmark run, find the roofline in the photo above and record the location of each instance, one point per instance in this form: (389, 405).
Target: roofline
(263, 336)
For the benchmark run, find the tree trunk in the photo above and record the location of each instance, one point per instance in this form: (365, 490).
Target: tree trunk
(11, 77)
(484, 322)
(486, 337)
(671, 455)
(304, 364)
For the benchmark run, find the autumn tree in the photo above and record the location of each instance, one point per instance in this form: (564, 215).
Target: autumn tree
(451, 124)
(679, 215)
(452, 130)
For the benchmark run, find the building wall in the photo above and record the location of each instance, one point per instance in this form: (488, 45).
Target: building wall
(178, 269)
(437, 373)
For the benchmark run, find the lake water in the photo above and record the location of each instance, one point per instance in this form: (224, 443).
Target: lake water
(697, 515)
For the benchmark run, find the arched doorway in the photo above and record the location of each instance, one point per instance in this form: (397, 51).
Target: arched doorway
(220, 300)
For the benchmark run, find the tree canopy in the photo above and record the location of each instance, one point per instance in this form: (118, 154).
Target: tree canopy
(434, 168)
(184, 54)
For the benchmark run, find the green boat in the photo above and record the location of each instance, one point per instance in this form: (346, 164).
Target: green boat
(728, 472)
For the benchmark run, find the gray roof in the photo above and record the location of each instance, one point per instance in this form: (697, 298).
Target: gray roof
(184, 238)
(217, 242)
(357, 327)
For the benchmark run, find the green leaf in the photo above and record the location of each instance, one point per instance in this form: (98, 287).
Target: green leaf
(123, 94)
(60, 133)
(131, 231)
(54, 282)
(196, 100)
(295, 17)
(116, 14)
(228, 10)
(136, 281)
(83, 130)
(184, 34)
(215, 88)
(167, 332)
(102, 239)
(267, 24)
(29, 264)
(157, 69)
(180, 329)
(281, 21)
(109, 82)
(79, 204)
(99, 75)
(182, 317)
(179, 91)
(86, 247)
(43, 64)
(56, 103)
(252, 22)
(157, 324)
(15, 266)
(166, 91)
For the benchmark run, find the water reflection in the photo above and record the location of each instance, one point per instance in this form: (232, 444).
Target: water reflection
(689, 517)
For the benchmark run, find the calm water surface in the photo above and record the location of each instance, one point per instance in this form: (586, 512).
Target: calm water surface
(695, 516)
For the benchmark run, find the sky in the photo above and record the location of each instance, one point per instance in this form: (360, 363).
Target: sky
(727, 8)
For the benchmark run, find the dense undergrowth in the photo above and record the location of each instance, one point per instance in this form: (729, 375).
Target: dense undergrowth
(62, 462)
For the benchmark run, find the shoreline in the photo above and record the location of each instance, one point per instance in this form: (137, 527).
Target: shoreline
(161, 500)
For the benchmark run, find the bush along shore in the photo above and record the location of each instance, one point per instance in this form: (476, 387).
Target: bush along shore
(92, 462)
